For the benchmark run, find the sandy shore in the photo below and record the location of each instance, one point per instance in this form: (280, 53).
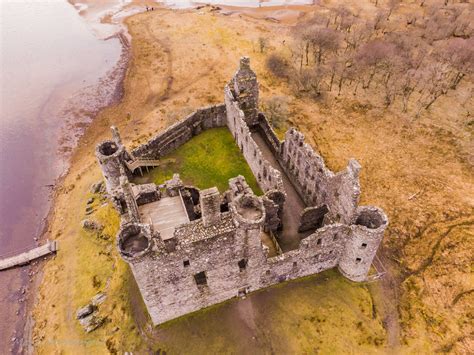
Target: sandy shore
(181, 60)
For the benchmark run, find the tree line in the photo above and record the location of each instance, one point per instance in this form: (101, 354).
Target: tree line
(408, 60)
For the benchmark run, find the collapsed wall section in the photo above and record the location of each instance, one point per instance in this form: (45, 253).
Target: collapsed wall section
(182, 131)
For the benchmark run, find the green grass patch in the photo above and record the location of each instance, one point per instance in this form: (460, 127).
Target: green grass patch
(209, 159)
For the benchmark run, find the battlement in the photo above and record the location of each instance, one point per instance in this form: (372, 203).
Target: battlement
(190, 248)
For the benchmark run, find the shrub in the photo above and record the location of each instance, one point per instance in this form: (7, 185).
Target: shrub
(277, 65)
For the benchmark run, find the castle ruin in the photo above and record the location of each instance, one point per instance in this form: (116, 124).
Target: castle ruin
(190, 248)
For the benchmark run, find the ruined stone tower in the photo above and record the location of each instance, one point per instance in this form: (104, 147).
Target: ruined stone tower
(111, 156)
(190, 248)
(245, 87)
(362, 243)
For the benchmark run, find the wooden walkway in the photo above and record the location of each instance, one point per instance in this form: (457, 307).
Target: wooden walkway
(24, 258)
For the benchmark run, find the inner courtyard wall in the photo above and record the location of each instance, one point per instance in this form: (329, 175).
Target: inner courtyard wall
(182, 131)
(317, 184)
(267, 177)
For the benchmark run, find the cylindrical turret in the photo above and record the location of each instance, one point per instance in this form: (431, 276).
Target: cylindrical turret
(248, 211)
(110, 157)
(363, 242)
(134, 240)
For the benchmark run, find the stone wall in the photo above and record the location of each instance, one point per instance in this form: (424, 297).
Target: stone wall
(244, 87)
(320, 251)
(182, 131)
(267, 177)
(317, 184)
(234, 262)
(269, 135)
(215, 250)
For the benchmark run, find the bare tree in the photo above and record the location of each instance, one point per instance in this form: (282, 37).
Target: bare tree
(262, 43)
(276, 110)
(374, 56)
(408, 83)
(435, 83)
(303, 35)
(343, 18)
(458, 54)
(323, 40)
(310, 81)
(360, 33)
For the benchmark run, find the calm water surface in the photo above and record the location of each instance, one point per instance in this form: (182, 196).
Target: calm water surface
(48, 55)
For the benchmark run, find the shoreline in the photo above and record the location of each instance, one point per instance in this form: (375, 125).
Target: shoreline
(35, 274)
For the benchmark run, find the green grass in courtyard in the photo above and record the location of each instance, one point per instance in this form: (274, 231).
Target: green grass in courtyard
(209, 159)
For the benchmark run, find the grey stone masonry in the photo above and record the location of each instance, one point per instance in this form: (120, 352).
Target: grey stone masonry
(210, 206)
(244, 86)
(189, 249)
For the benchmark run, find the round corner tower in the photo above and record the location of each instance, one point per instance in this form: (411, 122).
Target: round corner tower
(362, 244)
(248, 212)
(110, 154)
(134, 241)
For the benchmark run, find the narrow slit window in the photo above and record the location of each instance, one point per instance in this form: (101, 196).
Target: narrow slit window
(318, 241)
(242, 264)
